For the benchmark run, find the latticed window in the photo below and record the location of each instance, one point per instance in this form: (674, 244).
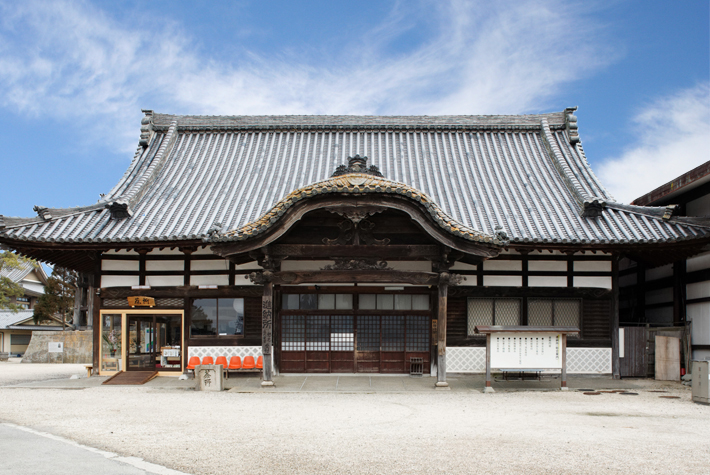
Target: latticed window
(559, 312)
(492, 312)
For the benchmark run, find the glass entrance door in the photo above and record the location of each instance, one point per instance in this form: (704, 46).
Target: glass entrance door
(154, 342)
(141, 343)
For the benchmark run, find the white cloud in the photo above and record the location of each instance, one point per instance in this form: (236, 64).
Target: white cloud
(71, 61)
(673, 135)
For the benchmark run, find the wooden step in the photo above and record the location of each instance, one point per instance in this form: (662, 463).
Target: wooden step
(131, 377)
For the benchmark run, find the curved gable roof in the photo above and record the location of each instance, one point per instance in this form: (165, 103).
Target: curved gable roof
(525, 174)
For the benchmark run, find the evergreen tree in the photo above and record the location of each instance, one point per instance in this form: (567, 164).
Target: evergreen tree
(8, 288)
(58, 298)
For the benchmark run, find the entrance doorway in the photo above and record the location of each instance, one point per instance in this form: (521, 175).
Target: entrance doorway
(154, 342)
(376, 334)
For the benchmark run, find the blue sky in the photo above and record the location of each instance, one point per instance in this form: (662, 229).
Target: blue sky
(75, 75)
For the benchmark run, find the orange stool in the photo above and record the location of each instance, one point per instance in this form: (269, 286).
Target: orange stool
(207, 360)
(248, 362)
(260, 362)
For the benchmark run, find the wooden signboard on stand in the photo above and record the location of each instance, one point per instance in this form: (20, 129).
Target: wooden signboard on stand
(526, 348)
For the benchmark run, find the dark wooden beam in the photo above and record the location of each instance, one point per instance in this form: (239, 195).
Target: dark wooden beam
(351, 276)
(615, 319)
(183, 292)
(267, 318)
(389, 252)
(441, 344)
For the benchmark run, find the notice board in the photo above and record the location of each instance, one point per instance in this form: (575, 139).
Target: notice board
(526, 350)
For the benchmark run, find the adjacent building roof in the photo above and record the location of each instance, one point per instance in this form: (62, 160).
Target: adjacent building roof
(664, 194)
(197, 177)
(19, 276)
(21, 321)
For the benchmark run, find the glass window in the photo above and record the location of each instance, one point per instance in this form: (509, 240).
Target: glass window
(368, 301)
(290, 302)
(111, 334)
(344, 301)
(420, 302)
(308, 302)
(385, 302)
(326, 301)
(562, 312)
(492, 312)
(402, 302)
(217, 317)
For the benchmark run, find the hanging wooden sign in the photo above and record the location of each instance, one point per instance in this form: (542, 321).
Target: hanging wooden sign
(141, 301)
(434, 330)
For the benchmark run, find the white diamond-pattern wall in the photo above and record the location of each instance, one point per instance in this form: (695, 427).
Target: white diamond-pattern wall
(579, 360)
(227, 351)
(589, 360)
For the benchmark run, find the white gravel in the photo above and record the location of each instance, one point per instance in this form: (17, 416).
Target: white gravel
(14, 372)
(437, 432)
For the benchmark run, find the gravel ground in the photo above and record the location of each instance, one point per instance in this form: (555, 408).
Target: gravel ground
(437, 432)
(13, 372)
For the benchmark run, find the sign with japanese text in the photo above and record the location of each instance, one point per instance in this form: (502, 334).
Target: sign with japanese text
(141, 301)
(526, 350)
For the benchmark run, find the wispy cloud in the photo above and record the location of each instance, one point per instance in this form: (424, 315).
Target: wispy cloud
(673, 135)
(72, 61)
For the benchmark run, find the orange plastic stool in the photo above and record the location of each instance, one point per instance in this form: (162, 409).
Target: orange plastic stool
(207, 360)
(260, 362)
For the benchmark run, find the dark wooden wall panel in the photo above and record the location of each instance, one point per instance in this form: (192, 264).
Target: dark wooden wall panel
(252, 320)
(596, 319)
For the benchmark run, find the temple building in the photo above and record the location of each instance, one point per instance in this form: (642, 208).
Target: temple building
(352, 244)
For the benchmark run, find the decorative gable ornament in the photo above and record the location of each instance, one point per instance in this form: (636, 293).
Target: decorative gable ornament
(357, 164)
(119, 209)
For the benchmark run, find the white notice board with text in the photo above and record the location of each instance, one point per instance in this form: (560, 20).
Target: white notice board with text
(526, 350)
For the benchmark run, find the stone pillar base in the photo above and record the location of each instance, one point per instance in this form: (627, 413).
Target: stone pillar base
(442, 386)
(488, 390)
(564, 388)
(267, 384)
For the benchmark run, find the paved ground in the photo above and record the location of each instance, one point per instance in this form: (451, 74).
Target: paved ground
(26, 451)
(375, 425)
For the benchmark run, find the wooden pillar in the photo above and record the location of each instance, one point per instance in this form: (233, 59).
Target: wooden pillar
(441, 345)
(267, 315)
(488, 388)
(563, 382)
(679, 293)
(93, 306)
(615, 318)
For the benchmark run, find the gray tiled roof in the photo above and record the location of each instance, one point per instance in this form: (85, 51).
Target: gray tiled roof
(526, 174)
(8, 318)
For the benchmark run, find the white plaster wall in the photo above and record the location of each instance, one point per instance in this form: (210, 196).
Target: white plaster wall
(553, 281)
(547, 266)
(659, 272)
(164, 280)
(592, 266)
(698, 290)
(217, 280)
(164, 265)
(699, 314)
(593, 282)
(249, 265)
(119, 265)
(503, 265)
(119, 280)
(503, 280)
(699, 262)
(221, 264)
